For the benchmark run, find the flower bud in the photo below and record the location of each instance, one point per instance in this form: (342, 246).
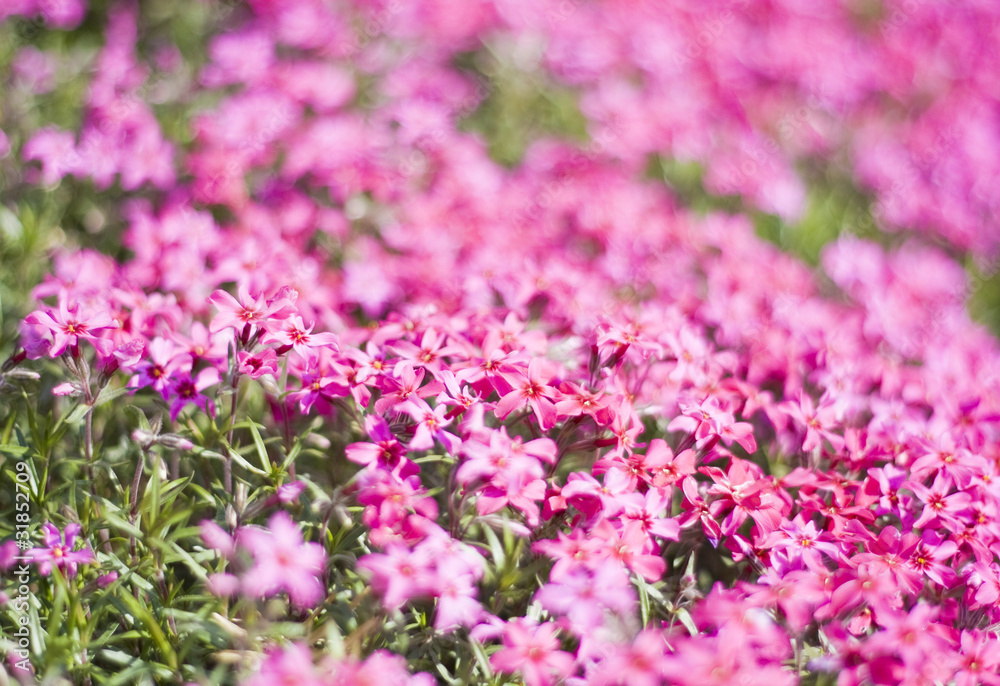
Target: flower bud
(174, 441)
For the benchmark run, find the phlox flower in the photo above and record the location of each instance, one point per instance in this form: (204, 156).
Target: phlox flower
(290, 664)
(528, 387)
(491, 453)
(162, 363)
(533, 650)
(579, 401)
(797, 593)
(430, 425)
(392, 503)
(572, 553)
(249, 313)
(256, 365)
(940, 508)
(663, 467)
(323, 381)
(186, 390)
(916, 636)
(630, 546)
(802, 539)
(818, 422)
(436, 567)
(381, 668)
(67, 325)
(456, 603)
(594, 499)
(405, 383)
(722, 660)
(293, 334)
(708, 420)
(56, 150)
(283, 562)
(744, 491)
(384, 452)
(216, 537)
(519, 490)
(980, 659)
(58, 550)
(584, 596)
(640, 662)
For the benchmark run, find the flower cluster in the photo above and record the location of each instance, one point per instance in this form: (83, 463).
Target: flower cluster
(596, 436)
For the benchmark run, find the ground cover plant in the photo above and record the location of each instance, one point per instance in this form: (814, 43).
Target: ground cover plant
(449, 342)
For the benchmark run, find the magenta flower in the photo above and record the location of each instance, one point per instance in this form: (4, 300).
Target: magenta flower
(66, 326)
(528, 387)
(249, 312)
(295, 335)
(384, 452)
(186, 390)
(430, 425)
(818, 422)
(292, 664)
(258, 364)
(158, 371)
(399, 575)
(584, 596)
(663, 467)
(283, 562)
(980, 662)
(58, 551)
(532, 650)
(709, 420)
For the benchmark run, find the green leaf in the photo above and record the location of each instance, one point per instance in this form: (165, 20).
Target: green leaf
(144, 616)
(77, 414)
(292, 454)
(238, 459)
(481, 657)
(496, 548)
(108, 394)
(265, 461)
(685, 617)
(644, 604)
(138, 415)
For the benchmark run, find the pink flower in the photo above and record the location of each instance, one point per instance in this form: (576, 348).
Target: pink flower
(640, 663)
(708, 419)
(532, 650)
(295, 335)
(399, 575)
(292, 664)
(66, 326)
(980, 659)
(58, 551)
(529, 387)
(186, 389)
(282, 562)
(384, 452)
(818, 422)
(430, 425)
(584, 596)
(56, 151)
(249, 313)
(663, 467)
(256, 365)
(216, 537)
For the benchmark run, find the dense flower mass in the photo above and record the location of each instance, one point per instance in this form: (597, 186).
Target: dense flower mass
(352, 402)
